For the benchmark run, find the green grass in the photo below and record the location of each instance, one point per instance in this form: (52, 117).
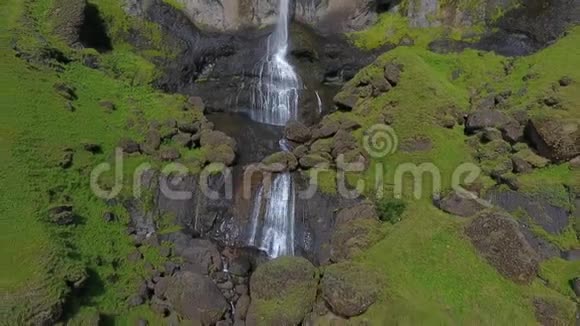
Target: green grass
(36, 127)
(434, 275)
(559, 273)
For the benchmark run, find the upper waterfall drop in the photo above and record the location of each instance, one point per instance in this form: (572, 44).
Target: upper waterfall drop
(275, 97)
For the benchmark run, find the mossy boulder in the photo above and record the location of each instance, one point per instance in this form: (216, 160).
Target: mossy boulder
(554, 311)
(280, 161)
(67, 18)
(313, 160)
(498, 239)
(220, 154)
(350, 289)
(297, 132)
(195, 297)
(555, 139)
(282, 291)
(351, 238)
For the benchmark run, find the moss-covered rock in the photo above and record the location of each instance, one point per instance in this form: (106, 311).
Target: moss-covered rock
(283, 292)
(556, 139)
(500, 242)
(67, 17)
(351, 238)
(349, 289)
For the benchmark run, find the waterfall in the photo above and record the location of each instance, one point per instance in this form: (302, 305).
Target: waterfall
(275, 102)
(275, 97)
(278, 229)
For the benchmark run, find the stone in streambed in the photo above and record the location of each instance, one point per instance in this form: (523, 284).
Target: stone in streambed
(297, 132)
(279, 162)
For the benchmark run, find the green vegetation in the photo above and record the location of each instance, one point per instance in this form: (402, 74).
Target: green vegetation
(40, 258)
(391, 210)
(434, 274)
(559, 273)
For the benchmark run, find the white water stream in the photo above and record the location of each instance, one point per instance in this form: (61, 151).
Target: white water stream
(275, 102)
(275, 97)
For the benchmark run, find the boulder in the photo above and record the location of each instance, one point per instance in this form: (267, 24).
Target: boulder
(456, 204)
(392, 73)
(349, 289)
(169, 154)
(357, 212)
(498, 239)
(512, 132)
(314, 160)
(282, 292)
(554, 311)
(300, 151)
(67, 17)
(327, 128)
(485, 119)
(351, 238)
(520, 165)
(280, 161)
(152, 141)
(565, 81)
(322, 146)
(189, 127)
(129, 146)
(346, 99)
(224, 154)
(182, 140)
(242, 307)
(297, 132)
(343, 142)
(195, 297)
(61, 215)
(534, 160)
(200, 256)
(555, 139)
(576, 286)
(214, 138)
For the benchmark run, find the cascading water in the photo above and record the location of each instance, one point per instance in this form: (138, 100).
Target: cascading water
(275, 102)
(275, 97)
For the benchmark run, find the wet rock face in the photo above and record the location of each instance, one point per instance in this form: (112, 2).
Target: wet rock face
(499, 241)
(334, 16)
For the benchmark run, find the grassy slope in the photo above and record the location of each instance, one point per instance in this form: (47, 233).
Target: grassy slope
(433, 273)
(35, 129)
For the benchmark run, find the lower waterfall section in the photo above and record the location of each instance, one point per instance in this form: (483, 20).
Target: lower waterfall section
(274, 209)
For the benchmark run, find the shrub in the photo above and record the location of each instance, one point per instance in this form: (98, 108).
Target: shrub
(390, 210)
